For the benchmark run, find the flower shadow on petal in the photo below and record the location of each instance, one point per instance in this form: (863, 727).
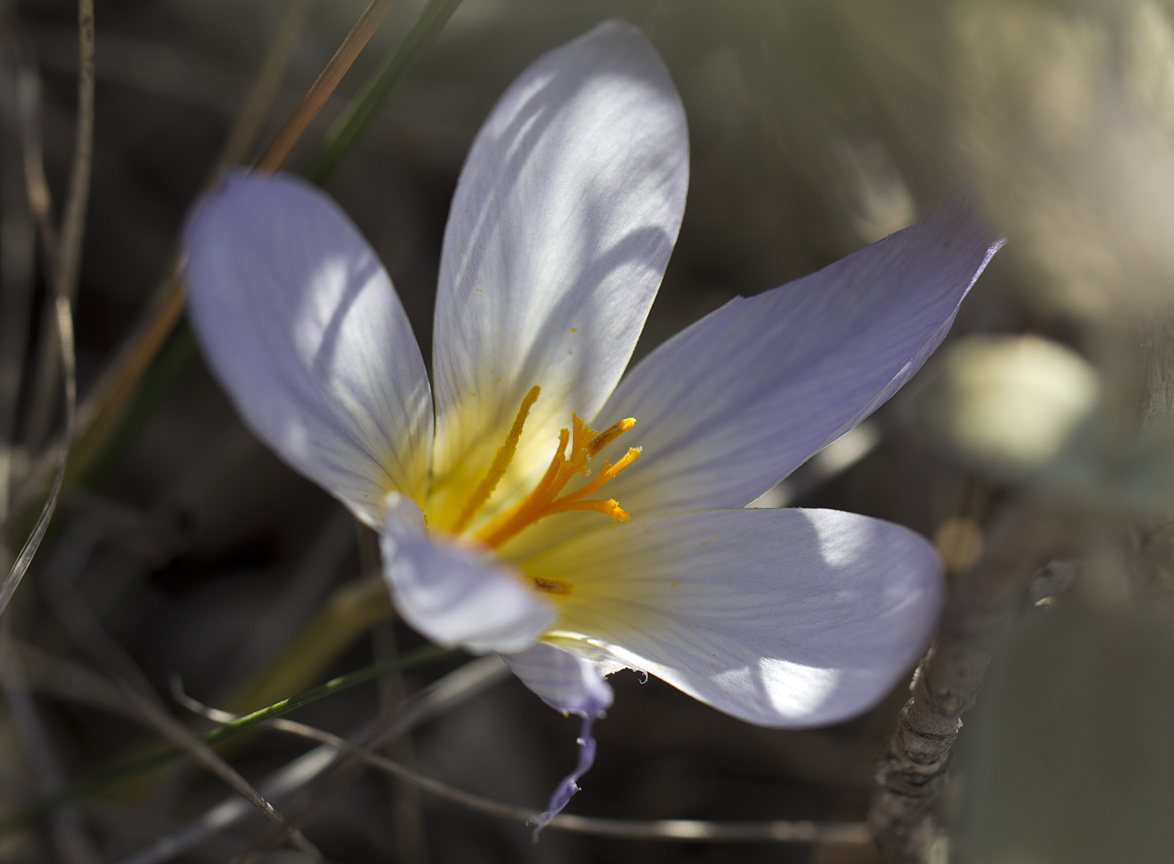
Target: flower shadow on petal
(563, 222)
(302, 326)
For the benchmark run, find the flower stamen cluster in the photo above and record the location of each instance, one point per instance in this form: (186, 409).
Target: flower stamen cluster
(545, 498)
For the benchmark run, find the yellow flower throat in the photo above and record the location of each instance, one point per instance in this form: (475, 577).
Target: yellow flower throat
(547, 497)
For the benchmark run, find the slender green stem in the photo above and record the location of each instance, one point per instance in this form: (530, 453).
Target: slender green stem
(362, 110)
(112, 778)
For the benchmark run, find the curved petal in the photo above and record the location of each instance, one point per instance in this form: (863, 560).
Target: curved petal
(455, 595)
(301, 325)
(788, 618)
(560, 230)
(563, 681)
(571, 685)
(736, 402)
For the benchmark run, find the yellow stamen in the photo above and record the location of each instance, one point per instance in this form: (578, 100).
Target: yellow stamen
(609, 471)
(611, 507)
(611, 433)
(544, 500)
(501, 462)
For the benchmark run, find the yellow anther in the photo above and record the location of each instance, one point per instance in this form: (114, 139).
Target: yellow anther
(576, 447)
(611, 433)
(611, 507)
(501, 463)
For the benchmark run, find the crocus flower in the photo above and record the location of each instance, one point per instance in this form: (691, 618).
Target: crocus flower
(531, 502)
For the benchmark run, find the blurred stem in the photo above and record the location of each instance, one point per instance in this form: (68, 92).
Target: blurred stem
(65, 273)
(113, 778)
(361, 111)
(324, 85)
(256, 108)
(407, 806)
(1023, 539)
(350, 611)
(98, 411)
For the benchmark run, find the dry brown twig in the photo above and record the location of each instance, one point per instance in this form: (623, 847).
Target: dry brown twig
(454, 688)
(779, 831)
(1024, 539)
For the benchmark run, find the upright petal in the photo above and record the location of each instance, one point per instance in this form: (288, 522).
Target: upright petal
(788, 618)
(560, 230)
(453, 594)
(301, 325)
(733, 404)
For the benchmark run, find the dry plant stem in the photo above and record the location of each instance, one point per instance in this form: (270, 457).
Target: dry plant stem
(256, 108)
(17, 261)
(132, 359)
(207, 758)
(1023, 539)
(69, 249)
(406, 802)
(781, 831)
(65, 278)
(83, 626)
(68, 837)
(454, 688)
(32, 158)
(321, 89)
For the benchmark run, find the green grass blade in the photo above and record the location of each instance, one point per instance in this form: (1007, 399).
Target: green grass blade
(362, 110)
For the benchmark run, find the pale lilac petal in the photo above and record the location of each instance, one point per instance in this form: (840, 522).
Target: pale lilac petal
(787, 618)
(569, 785)
(737, 401)
(301, 325)
(456, 595)
(571, 685)
(563, 681)
(560, 230)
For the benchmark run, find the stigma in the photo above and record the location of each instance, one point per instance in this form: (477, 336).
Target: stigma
(577, 447)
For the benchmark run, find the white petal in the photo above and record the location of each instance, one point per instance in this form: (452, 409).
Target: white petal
(739, 400)
(786, 618)
(563, 681)
(301, 325)
(560, 230)
(456, 595)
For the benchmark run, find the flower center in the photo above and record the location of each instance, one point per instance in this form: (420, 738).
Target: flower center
(577, 447)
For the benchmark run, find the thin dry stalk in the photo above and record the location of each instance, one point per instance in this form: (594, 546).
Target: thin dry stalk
(777, 831)
(406, 802)
(133, 685)
(117, 382)
(68, 837)
(453, 689)
(67, 253)
(17, 263)
(65, 278)
(1025, 538)
(780, 831)
(320, 90)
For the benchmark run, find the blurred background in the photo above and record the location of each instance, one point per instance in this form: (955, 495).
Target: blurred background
(182, 547)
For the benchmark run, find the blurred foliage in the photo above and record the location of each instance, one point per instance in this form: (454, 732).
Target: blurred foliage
(1070, 761)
